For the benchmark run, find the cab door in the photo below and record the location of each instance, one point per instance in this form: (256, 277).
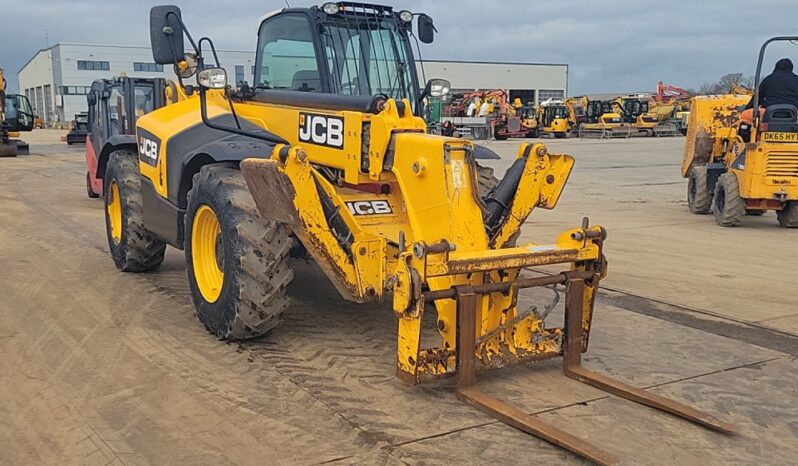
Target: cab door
(95, 125)
(18, 113)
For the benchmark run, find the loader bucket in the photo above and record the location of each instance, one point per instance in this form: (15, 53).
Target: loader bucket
(8, 150)
(710, 117)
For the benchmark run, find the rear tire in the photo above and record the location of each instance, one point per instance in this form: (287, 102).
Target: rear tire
(728, 206)
(788, 216)
(250, 253)
(699, 199)
(89, 191)
(133, 248)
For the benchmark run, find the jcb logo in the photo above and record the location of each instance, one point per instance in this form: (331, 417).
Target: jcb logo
(323, 130)
(378, 207)
(148, 149)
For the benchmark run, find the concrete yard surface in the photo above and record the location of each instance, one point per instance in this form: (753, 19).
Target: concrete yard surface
(102, 367)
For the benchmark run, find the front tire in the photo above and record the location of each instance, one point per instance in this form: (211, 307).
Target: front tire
(728, 206)
(788, 216)
(486, 180)
(237, 263)
(699, 199)
(133, 248)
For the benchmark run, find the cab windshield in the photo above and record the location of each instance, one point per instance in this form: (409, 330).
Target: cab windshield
(363, 53)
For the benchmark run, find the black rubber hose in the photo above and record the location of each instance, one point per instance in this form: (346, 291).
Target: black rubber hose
(499, 200)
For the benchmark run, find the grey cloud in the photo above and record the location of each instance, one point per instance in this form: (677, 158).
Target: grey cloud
(611, 46)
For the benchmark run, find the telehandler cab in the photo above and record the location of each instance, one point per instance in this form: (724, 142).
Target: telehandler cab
(735, 169)
(328, 150)
(113, 107)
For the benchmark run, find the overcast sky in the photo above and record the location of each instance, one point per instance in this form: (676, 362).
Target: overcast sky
(610, 45)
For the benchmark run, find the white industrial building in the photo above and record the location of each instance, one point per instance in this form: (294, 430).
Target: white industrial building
(531, 82)
(56, 79)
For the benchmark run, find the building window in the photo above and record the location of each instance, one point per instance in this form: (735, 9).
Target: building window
(152, 67)
(94, 65)
(527, 96)
(239, 74)
(544, 95)
(75, 90)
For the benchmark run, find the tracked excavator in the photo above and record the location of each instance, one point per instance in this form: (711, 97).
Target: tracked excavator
(343, 171)
(553, 117)
(603, 119)
(634, 110)
(16, 116)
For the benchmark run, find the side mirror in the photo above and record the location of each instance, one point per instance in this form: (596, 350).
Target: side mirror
(438, 87)
(212, 78)
(91, 98)
(166, 34)
(426, 30)
(186, 68)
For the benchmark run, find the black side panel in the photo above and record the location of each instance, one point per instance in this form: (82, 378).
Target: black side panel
(220, 145)
(318, 100)
(161, 216)
(118, 140)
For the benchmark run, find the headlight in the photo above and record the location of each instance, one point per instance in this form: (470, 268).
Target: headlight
(212, 78)
(439, 87)
(406, 16)
(330, 8)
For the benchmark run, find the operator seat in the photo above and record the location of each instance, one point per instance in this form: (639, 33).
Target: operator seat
(307, 81)
(782, 118)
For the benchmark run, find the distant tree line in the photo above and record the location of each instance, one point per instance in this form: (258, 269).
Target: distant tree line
(725, 85)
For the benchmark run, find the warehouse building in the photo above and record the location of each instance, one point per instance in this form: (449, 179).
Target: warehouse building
(56, 79)
(531, 82)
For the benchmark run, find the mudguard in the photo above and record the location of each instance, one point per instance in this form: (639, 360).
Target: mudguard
(119, 141)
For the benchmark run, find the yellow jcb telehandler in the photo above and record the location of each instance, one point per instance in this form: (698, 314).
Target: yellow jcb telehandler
(735, 168)
(335, 159)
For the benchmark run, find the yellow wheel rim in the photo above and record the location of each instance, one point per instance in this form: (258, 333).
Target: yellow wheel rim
(114, 209)
(207, 254)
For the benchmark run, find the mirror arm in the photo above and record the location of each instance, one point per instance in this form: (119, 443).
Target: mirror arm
(268, 137)
(213, 49)
(185, 30)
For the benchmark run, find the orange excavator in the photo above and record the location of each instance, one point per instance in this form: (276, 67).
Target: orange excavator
(671, 105)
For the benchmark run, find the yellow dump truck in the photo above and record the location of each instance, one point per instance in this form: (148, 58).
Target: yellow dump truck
(735, 167)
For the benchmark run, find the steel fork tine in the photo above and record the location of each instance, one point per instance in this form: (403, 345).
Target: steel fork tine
(572, 367)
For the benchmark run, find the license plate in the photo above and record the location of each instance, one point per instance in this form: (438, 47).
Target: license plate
(780, 137)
